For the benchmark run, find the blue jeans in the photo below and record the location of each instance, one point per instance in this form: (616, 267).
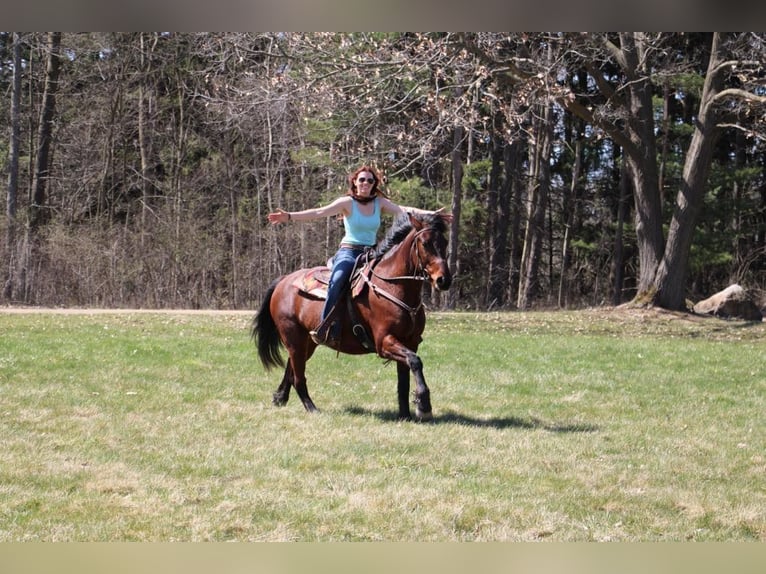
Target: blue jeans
(342, 266)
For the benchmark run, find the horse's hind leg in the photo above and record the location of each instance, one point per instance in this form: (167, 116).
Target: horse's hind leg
(297, 376)
(303, 392)
(282, 394)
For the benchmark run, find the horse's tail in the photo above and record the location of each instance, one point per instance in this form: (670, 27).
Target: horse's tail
(265, 335)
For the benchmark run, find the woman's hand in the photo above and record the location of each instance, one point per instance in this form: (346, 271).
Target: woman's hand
(279, 216)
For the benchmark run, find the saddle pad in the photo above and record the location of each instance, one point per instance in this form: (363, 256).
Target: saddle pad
(313, 282)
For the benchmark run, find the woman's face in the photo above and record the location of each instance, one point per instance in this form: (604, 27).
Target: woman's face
(365, 182)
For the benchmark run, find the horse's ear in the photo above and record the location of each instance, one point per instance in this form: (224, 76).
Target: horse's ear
(416, 223)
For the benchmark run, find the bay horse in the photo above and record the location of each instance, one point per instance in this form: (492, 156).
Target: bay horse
(388, 307)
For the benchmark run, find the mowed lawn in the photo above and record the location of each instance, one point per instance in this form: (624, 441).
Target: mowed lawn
(589, 425)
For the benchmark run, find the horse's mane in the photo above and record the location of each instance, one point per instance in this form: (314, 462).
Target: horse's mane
(402, 227)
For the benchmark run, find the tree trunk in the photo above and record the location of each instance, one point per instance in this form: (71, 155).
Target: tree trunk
(671, 274)
(570, 209)
(665, 146)
(457, 198)
(641, 160)
(537, 198)
(45, 133)
(497, 224)
(618, 257)
(513, 176)
(499, 289)
(145, 131)
(13, 169)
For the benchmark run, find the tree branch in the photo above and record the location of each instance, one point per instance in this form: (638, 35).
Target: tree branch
(739, 93)
(750, 133)
(570, 103)
(617, 54)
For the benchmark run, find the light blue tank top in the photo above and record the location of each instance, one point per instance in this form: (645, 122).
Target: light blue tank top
(362, 229)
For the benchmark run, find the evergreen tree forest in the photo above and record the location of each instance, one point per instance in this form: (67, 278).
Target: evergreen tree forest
(582, 169)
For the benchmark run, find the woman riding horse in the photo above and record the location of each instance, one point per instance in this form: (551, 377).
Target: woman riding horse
(361, 208)
(386, 316)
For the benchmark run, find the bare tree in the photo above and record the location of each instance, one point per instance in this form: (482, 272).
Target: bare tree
(663, 264)
(669, 282)
(181, 144)
(456, 208)
(13, 167)
(538, 188)
(145, 125)
(45, 133)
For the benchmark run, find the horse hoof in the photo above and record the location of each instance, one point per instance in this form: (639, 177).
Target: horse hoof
(424, 417)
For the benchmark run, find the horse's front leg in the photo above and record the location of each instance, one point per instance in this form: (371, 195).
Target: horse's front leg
(408, 361)
(403, 390)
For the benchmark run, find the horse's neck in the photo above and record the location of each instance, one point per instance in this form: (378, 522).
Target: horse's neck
(398, 261)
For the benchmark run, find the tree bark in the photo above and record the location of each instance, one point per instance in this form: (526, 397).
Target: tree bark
(570, 210)
(618, 257)
(497, 223)
(144, 132)
(537, 197)
(641, 159)
(457, 199)
(45, 133)
(13, 168)
(513, 175)
(671, 274)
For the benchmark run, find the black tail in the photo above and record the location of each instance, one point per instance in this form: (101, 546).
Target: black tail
(265, 335)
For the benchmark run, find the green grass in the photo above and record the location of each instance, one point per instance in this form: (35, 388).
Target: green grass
(566, 426)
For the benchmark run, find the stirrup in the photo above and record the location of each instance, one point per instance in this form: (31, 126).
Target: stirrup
(315, 338)
(323, 334)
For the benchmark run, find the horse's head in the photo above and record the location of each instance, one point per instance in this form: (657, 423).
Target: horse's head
(430, 249)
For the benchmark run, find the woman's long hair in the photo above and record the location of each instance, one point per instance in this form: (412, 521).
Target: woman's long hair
(376, 187)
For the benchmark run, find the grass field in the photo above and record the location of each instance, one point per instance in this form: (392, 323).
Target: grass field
(563, 426)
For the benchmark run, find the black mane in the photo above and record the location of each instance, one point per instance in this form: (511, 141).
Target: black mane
(401, 228)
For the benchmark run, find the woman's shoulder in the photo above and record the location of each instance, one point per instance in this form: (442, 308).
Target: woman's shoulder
(344, 204)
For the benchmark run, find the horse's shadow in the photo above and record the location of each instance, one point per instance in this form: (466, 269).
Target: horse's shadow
(451, 417)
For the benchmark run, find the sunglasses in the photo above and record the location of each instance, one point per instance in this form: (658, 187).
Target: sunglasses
(367, 179)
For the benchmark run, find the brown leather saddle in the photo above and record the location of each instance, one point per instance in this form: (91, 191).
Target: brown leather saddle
(313, 283)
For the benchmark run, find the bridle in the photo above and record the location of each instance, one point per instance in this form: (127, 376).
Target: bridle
(420, 274)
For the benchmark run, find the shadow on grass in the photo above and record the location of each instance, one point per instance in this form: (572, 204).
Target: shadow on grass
(451, 417)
